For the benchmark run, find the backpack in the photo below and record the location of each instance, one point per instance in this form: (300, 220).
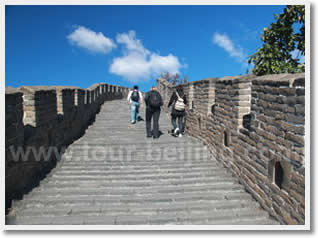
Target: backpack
(179, 106)
(154, 99)
(135, 96)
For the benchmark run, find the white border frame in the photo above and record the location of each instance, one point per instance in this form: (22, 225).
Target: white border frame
(161, 227)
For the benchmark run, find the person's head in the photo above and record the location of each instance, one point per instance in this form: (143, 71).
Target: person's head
(153, 88)
(136, 87)
(179, 89)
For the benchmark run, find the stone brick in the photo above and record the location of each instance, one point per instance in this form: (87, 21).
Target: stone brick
(300, 100)
(300, 91)
(278, 107)
(300, 109)
(298, 179)
(295, 138)
(297, 196)
(290, 127)
(288, 219)
(295, 119)
(287, 91)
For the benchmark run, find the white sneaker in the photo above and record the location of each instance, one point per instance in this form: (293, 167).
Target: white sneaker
(176, 131)
(180, 135)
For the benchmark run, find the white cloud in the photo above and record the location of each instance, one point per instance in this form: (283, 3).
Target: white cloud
(138, 63)
(169, 63)
(131, 43)
(95, 42)
(223, 41)
(132, 66)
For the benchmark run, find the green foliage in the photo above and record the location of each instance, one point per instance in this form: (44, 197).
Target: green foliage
(280, 40)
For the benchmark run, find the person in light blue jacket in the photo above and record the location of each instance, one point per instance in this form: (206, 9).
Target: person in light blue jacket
(135, 100)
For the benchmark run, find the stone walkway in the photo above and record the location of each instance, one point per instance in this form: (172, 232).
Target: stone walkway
(115, 175)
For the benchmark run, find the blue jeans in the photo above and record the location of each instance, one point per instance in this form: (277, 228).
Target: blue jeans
(180, 123)
(134, 113)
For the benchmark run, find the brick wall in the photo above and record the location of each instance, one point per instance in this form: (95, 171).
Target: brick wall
(255, 126)
(45, 119)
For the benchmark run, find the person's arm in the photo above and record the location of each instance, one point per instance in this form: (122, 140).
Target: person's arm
(146, 98)
(171, 99)
(129, 95)
(185, 99)
(141, 98)
(161, 100)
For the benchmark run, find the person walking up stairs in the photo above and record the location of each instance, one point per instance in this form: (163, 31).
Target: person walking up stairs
(153, 102)
(135, 100)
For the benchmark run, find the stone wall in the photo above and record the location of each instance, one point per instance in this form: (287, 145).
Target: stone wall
(40, 123)
(255, 126)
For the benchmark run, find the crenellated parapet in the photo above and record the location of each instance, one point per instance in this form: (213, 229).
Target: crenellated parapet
(255, 126)
(40, 123)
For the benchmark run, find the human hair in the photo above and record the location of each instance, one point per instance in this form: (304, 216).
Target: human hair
(179, 89)
(136, 87)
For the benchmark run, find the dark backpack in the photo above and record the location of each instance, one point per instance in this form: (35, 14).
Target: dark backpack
(135, 96)
(154, 99)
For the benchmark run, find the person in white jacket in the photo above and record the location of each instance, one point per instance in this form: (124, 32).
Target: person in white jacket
(135, 100)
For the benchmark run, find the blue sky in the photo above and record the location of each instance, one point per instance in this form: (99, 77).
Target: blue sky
(127, 45)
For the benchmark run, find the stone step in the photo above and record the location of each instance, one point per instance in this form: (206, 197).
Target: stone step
(147, 173)
(124, 191)
(40, 201)
(141, 164)
(248, 220)
(124, 154)
(182, 145)
(135, 192)
(126, 127)
(107, 121)
(150, 143)
(125, 172)
(133, 165)
(104, 120)
(131, 129)
(126, 138)
(123, 150)
(226, 216)
(159, 143)
(154, 178)
(147, 209)
(134, 184)
(132, 189)
(198, 158)
(164, 194)
(117, 166)
(139, 144)
(132, 169)
(142, 139)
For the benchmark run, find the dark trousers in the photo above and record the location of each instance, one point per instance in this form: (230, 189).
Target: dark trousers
(180, 123)
(155, 114)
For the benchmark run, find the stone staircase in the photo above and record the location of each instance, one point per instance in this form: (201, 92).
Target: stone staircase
(115, 175)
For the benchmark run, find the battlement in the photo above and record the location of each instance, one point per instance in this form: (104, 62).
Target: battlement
(42, 118)
(255, 126)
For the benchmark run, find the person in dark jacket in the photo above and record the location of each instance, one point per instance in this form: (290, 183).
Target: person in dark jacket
(178, 130)
(153, 102)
